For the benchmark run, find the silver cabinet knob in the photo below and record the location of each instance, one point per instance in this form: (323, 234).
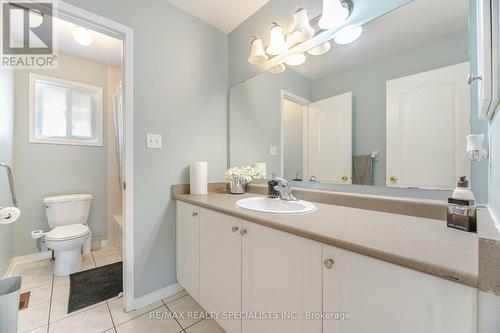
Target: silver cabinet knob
(243, 232)
(235, 229)
(328, 263)
(195, 214)
(473, 78)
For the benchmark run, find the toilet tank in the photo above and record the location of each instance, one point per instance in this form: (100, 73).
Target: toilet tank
(67, 209)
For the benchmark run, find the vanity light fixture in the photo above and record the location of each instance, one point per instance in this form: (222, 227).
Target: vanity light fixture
(277, 43)
(349, 35)
(302, 29)
(257, 53)
(320, 49)
(82, 36)
(334, 14)
(278, 69)
(296, 59)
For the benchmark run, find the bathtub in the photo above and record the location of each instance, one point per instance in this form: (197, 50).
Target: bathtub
(118, 233)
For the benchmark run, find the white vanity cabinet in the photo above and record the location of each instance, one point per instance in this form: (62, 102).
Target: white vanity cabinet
(188, 247)
(244, 268)
(282, 274)
(220, 266)
(381, 297)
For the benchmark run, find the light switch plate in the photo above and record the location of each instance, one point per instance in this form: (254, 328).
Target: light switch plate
(273, 150)
(153, 141)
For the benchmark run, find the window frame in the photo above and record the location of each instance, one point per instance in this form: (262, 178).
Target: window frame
(33, 117)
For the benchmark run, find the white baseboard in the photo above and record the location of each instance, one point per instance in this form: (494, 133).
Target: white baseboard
(157, 295)
(26, 259)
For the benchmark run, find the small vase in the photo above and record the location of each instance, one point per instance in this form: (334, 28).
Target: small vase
(237, 185)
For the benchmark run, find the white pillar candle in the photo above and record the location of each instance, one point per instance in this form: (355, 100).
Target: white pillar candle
(198, 183)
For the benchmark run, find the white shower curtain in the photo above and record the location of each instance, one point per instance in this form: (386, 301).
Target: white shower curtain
(118, 120)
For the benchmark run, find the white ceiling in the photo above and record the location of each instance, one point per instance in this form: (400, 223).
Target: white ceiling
(104, 48)
(415, 23)
(225, 15)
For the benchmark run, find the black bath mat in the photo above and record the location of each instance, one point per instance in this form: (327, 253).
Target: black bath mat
(94, 286)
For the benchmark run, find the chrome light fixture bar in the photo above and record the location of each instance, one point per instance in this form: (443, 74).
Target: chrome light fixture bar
(303, 37)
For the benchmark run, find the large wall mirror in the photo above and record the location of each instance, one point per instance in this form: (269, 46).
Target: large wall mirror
(390, 109)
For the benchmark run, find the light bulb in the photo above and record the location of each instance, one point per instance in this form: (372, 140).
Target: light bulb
(333, 15)
(257, 53)
(277, 43)
(349, 36)
(296, 59)
(82, 36)
(302, 29)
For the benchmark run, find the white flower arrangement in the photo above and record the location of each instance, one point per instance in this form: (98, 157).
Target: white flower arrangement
(246, 172)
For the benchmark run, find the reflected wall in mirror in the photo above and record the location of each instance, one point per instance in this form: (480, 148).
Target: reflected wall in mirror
(391, 108)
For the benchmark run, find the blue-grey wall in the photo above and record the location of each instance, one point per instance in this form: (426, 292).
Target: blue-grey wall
(181, 92)
(6, 156)
(255, 117)
(281, 11)
(368, 84)
(46, 169)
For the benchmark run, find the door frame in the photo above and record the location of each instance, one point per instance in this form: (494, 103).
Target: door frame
(115, 29)
(284, 94)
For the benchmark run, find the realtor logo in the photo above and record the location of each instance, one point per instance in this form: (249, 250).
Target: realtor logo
(27, 34)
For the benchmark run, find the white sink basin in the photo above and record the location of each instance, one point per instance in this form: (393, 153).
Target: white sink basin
(276, 206)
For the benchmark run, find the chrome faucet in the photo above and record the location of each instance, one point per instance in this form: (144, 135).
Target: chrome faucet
(284, 190)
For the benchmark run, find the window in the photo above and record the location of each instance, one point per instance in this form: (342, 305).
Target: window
(65, 112)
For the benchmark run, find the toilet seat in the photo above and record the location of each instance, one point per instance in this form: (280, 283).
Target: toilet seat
(67, 232)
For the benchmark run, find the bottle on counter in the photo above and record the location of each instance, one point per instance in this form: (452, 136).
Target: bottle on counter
(462, 208)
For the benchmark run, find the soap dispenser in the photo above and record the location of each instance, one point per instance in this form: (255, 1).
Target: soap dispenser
(462, 208)
(463, 192)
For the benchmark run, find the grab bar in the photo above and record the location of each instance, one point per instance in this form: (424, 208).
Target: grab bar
(11, 183)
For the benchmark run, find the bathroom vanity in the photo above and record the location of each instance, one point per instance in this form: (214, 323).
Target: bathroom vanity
(337, 269)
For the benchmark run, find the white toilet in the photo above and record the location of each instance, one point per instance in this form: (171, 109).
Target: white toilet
(67, 216)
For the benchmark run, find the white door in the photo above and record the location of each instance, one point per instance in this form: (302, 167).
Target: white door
(329, 156)
(188, 248)
(372, 296)
(220, 266)
(282, 274)
(428, 119)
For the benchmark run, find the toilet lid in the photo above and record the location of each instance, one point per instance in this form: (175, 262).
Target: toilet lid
(66, 232)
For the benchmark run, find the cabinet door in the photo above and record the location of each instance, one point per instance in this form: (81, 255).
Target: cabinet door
(220, 266)
(384, 298)
(188, 248)
(281, 274)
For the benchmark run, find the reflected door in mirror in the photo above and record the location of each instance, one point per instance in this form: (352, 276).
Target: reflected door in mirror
(329, 155)
(427, 123)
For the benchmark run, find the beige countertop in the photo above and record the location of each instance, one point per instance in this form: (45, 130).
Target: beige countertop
(422, 244)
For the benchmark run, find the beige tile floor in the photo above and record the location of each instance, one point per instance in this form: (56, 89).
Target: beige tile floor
(47, 311)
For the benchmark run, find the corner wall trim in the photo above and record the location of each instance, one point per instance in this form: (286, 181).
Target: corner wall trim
(157, 295)
(26, 259)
